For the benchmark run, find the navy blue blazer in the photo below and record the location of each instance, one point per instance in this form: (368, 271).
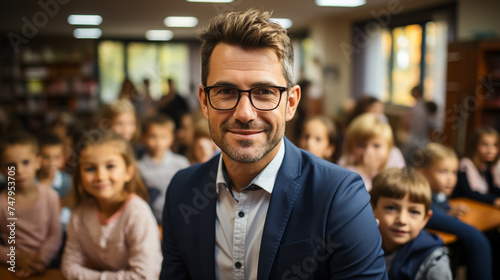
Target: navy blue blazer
(319, 224)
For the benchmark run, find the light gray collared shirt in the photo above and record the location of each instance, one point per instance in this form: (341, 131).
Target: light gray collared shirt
(240, 221)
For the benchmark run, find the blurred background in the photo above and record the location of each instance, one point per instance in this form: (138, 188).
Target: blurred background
(52, 60)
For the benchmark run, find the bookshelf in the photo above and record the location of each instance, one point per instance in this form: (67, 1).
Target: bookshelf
(46, 75)
(472, 92)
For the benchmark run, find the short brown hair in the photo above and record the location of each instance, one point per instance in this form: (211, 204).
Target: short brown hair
(249, 29)
(432, 152)
(18, 138)
(397, 183)
(159, 119)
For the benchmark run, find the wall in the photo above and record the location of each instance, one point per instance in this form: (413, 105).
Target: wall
(328, 35)
(478, 16)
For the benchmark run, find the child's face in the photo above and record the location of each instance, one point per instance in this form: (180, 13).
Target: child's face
(400, 221)
(375, 149)
(203, 149)
(314, 138)
(104, 172)
(185, 132)
(124, 124)
(487, 149)
(158, 139)
(52, 158)
(442, 175)
(25, 161)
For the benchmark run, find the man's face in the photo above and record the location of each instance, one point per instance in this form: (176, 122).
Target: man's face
(400, 221)
(244, 133)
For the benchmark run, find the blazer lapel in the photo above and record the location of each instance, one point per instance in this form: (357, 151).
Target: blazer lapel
(283, 198)
(206, 224)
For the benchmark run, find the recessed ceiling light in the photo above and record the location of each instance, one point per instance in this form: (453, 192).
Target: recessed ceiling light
(84, 19)
(87, 33)
(285, 22)
(180, 21)
(340, 3)
(211, 1)
(159, 35)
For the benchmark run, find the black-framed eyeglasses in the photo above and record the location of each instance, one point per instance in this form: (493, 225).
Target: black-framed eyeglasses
(263, 98)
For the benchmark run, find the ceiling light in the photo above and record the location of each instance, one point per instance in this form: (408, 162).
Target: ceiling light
(211, 1)
(84, 19)
(87, 33)
(340, 3)
(285, 22)
(181, 21)
(159, 35)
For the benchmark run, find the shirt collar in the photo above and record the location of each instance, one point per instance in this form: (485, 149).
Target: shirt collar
(265, 179)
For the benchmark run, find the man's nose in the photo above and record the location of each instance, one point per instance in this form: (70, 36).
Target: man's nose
(244, 111)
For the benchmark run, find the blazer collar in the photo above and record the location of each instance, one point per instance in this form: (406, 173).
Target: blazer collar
(282, 201)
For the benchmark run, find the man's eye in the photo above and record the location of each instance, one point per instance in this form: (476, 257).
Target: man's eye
(264, 91)
(226, 91)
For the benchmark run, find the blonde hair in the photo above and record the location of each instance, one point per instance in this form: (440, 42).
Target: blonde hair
(362, 129)
(101, 137)
(397, 183)
(432, 152)
(249, 29)
(110, 111)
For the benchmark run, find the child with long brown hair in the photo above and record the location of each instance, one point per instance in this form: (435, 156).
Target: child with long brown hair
(112, 233)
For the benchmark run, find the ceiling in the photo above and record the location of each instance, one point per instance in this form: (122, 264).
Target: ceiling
(127, 19)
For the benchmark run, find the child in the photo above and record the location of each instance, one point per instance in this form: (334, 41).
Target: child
(477, 177)
(203, 147)
(112, 233)
(49, 174)
(120, 116)
(401, 201)
(319, 136)
(159, 164)
(439, 166)
(52, 159)
(367, 145)
(38, 234)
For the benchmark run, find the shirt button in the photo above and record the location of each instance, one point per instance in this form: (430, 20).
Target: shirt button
(237, 264)
(241, 214)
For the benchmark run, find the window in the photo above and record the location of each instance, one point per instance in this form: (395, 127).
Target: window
(139, 61)
(414, 55)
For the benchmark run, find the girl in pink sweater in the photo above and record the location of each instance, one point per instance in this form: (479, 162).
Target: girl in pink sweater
(112, 233)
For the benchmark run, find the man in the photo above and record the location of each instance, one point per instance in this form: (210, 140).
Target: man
(263, 209)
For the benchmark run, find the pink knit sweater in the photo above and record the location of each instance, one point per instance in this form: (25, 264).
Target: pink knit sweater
(37, 228)
(125, 246)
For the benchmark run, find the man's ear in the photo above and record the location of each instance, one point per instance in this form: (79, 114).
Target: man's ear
(294, 95)
(202, 97)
